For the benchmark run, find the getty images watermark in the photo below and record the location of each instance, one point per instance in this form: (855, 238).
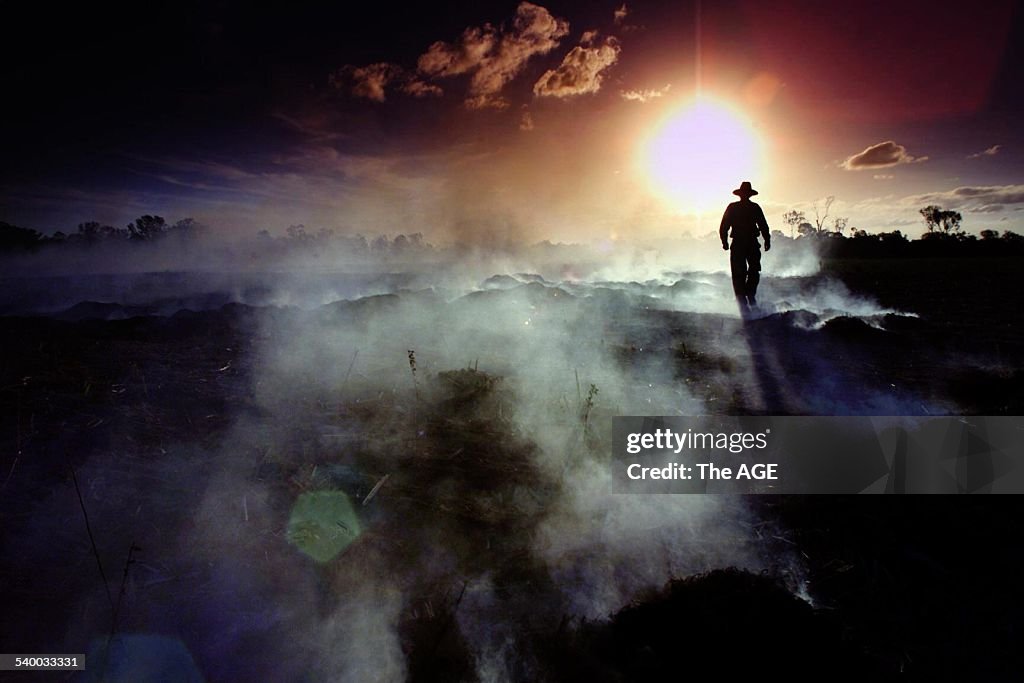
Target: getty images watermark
(738, 454)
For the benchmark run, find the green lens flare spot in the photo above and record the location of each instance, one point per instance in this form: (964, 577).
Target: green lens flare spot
(323, 524)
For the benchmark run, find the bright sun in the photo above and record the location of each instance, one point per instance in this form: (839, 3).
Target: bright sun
(699, 154)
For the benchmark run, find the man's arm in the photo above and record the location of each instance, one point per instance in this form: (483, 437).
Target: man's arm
(723, 229)
(762, 223)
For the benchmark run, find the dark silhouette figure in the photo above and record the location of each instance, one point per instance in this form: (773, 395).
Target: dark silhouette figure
(746, 220)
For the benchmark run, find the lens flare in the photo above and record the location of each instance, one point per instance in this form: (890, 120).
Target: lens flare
(699, 154)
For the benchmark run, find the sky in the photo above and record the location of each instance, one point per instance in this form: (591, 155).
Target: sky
(502, 121)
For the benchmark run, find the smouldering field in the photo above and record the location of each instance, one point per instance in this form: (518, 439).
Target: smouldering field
(455, 430)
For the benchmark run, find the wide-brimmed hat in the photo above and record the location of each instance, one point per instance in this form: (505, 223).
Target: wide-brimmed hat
(745, 190)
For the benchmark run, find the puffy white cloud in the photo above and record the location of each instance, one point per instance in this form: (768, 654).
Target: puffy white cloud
(494, 56)
(490, 55)
(644, 95)
(882, 155)
(467, 54)
(581, 71)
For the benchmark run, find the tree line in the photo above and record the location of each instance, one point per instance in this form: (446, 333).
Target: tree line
(143, 229)
(831, 235)
(151, 229)
(943, 236)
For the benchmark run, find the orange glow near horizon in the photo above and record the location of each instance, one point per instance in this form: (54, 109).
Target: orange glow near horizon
(699, 153)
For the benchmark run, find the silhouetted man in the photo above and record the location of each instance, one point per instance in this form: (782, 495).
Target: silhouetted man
(746, 220)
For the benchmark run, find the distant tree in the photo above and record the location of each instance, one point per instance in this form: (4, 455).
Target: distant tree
(89, 231)
(147, 227)
(793, 219)
(93, 231)
(1012, 237)
(297, 233)
(12, 237)
(989, 235)
(186, 227)
(805, 229)
(894, 237)
(821, 215)
(936, 219)
(839, 224)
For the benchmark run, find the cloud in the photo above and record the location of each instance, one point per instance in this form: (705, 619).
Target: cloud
(486, 101)
(372, 81)
(990, 152)
(882, 155)
(580, 73)
(619, 19)
(368, 81)
(451, 59)
(494, 56)
(526, 121)
(644, 95)
(979, 199)
(418, 88)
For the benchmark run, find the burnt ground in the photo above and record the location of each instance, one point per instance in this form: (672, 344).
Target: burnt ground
(918, 586)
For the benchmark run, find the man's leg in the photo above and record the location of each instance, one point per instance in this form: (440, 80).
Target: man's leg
(738, 264)
(753, 274)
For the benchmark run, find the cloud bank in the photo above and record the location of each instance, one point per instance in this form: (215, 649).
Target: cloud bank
(979, 198)
(494, 56)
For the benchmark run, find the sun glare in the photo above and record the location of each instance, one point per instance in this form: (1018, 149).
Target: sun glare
(699, 154)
